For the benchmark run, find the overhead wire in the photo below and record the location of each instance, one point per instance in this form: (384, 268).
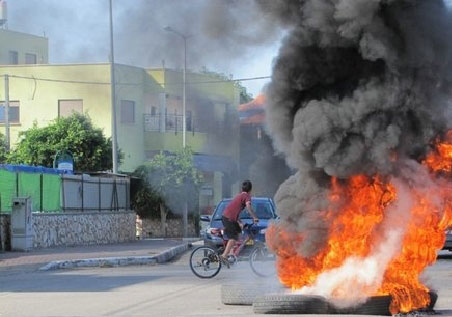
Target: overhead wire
(139, 84)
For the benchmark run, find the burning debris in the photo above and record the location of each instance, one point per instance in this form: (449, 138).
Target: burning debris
(359, 91)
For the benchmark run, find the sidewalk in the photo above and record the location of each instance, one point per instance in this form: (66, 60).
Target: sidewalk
(137, 252)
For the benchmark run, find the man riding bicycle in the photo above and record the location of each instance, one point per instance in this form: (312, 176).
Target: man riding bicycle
(230, 219)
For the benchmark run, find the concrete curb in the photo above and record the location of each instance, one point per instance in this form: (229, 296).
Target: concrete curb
(162, 257)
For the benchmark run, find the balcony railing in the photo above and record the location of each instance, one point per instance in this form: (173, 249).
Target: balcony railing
(173, 123)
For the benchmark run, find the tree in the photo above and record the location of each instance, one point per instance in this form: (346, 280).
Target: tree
(245, 96)
(146, 201)
(76, 133)
(170, 181)
(3, 152)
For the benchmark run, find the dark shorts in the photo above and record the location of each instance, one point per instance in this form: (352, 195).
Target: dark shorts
(231, 228)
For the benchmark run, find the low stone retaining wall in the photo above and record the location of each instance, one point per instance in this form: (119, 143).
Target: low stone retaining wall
(70, 229)
(151, 228)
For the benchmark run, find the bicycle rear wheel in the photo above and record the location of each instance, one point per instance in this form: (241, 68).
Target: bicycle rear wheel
(262, 262)
(205, 262)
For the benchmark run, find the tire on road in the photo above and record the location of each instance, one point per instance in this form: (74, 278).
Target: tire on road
(378, 305)
(243, 294)
(290, 304)
(302, 304)
(375, 305)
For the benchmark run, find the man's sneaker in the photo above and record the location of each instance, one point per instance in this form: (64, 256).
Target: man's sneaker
(225, 261)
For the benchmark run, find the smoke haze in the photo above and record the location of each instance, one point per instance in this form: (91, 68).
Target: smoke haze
(223, 33)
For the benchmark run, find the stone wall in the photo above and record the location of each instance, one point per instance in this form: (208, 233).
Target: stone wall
(71, 229)
(4, 232)
(151, 228)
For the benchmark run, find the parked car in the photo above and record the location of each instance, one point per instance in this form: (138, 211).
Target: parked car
(448, 243)
(263, 207)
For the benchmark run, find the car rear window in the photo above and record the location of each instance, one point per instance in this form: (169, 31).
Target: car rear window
(263, 210)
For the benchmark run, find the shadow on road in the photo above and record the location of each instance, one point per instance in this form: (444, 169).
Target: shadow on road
(443, 312)
(64, 282)
(135, 248)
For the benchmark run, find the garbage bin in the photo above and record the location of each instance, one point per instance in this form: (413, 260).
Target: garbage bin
(21, 224)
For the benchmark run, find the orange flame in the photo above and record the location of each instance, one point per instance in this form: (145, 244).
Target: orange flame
(441, 158)
(358, 208)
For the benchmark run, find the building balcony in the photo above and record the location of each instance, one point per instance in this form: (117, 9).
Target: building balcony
(164, 133)
(173, 123)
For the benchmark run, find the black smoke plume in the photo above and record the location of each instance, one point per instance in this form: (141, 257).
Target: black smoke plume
(355, 83)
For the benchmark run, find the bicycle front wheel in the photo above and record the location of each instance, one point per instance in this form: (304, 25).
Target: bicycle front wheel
(263, 262)
(205, 262)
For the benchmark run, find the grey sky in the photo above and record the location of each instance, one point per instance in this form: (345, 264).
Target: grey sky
(229, 36)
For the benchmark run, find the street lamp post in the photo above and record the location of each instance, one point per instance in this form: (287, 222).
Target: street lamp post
(184, 112)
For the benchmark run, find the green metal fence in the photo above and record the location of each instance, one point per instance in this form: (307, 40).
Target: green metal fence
(44, 190)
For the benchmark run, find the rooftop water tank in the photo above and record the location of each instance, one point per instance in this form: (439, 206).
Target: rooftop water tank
(3, 12)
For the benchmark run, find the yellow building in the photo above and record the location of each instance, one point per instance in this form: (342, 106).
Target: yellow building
(148, 108)
(149, 112)
(20, 48)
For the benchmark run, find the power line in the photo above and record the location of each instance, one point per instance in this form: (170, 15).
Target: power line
(229, 80)
(61, 80)
(138, 84)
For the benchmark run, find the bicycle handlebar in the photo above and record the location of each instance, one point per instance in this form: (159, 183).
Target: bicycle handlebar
(250, 227)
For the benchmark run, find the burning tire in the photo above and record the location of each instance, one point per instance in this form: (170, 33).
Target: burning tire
(290, 304)
(303, 304)
(375, 305)
(243, 294)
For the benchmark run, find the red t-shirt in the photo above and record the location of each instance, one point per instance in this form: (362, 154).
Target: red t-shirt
(234, 208)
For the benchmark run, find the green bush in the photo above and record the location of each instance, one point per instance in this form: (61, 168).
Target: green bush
(146, 203)
(90, 148)
(167, 181)
(3, 153)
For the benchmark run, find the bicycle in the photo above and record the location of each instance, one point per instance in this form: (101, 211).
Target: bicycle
(205, 261)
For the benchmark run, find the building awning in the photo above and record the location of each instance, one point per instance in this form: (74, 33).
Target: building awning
(33, 169)
(253, 112)
(212, 163)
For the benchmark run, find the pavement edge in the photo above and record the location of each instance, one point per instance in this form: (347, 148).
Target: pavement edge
(162, 257)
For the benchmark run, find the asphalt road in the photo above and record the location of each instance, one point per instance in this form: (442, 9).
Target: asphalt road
(160, 290)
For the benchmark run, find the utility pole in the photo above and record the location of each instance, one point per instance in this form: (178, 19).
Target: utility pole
(184, 116)
(6, 112)
(184, 101)
(114, 135)
(184, 131)
(184, 88)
